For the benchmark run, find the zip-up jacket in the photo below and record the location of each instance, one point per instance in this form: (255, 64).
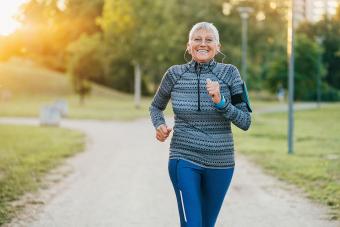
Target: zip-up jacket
(202, 132)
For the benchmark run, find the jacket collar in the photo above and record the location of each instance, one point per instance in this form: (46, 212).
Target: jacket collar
(204, 66)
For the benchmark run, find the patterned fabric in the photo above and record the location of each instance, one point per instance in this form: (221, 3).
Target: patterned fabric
(202, 133)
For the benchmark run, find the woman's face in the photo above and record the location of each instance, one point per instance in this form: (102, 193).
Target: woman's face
(203, 46)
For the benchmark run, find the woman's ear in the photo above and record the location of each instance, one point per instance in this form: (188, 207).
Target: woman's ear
(219, 47)
(188, 48)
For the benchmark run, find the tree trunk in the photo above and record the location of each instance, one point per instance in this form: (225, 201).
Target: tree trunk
(137, 85)
(81, 99)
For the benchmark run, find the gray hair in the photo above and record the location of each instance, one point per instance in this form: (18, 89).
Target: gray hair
(205, 26)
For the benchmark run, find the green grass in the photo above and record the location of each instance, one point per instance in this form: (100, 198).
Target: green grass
(96, 107)
(315, 164)
(32, 87)
(26, 154)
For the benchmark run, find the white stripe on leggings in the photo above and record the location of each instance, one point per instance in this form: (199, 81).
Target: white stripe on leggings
(185, 217)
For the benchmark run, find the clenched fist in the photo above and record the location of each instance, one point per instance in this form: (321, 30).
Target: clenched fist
(163, 132)
(213, 89)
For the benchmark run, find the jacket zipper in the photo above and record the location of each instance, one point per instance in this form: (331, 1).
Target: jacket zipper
(198, 73)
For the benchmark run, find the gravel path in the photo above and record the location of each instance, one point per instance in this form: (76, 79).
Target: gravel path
(121, 180)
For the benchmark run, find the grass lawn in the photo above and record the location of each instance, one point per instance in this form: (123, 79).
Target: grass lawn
(95, 107)
(315, 164)
(26, 154)
(26, 89)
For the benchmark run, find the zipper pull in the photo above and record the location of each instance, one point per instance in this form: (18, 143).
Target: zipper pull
(199, 67)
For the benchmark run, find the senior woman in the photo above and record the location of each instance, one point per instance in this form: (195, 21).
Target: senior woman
(206, 97)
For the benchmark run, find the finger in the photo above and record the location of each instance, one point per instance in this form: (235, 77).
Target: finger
(160, 131)
(167, 133)
(159, 128)
(212, 90)
(160, 138)
(164, 129)
(213, 85)
(209, 86)
(213, 94)
(208, 81)
(164, 134)
(160, 134)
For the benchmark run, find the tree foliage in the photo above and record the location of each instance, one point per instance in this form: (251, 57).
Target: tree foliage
(329, 32)
(85, 63)
(47, 29)
(307, 69)
(141, 32)
(113, 35)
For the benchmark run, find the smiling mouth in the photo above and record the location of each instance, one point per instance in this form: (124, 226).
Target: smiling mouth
(202, 51)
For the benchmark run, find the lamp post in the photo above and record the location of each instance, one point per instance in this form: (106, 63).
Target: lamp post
(319, 40)
(244, 14)
(290, 54)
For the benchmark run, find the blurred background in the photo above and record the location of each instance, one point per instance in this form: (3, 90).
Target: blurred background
(103, 41)
(104, 59)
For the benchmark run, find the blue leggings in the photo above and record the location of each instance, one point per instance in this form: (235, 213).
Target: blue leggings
(199, 191)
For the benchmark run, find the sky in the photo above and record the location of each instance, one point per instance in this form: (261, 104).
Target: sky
(8, 9)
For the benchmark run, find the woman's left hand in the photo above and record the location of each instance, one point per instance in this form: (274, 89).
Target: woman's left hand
(213, 88)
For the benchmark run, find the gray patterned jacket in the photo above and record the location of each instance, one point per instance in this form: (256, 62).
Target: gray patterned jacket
(202, 133)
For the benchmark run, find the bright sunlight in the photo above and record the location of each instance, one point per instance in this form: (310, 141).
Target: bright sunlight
(8, 10)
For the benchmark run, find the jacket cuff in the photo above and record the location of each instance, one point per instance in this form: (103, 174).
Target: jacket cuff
(227, 109)
(221, 104)
(159, 124)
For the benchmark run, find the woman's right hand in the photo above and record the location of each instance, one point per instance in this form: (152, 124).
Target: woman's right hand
(162, 132)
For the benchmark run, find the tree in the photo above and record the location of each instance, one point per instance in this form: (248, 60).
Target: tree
(138, 32)
(85, 64)
(307, 69)
(329, 31)
(48, 29)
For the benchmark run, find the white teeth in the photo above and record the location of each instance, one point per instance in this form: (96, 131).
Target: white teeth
(202, 51)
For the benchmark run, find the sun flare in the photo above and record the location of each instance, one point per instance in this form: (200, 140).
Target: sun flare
(8, 9)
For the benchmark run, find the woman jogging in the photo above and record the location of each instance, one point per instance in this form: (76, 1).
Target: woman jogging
(206, 98)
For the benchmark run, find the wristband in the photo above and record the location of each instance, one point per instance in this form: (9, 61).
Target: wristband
(221, 104)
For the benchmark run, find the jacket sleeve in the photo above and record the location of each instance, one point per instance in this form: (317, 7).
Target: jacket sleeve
(161, 99)
(238, 114)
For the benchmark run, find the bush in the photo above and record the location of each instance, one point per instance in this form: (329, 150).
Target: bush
(329, 93)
